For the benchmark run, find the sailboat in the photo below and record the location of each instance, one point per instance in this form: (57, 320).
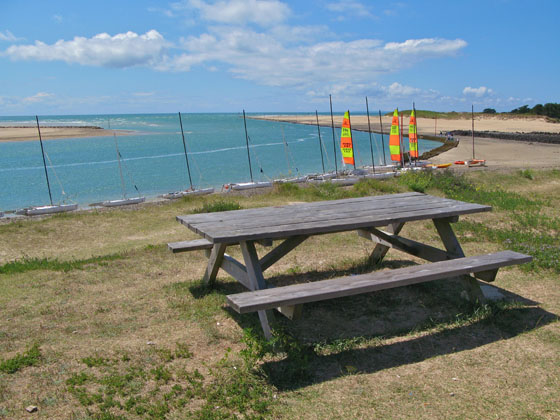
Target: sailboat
(125, 200)
(192, 190)
(246, 185)
(52, 208)
(394, 139)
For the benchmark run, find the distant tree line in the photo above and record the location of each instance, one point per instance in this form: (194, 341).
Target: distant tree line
(550, 110)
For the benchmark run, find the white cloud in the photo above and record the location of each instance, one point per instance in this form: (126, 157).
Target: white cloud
(267, 60)
(477, 92)
(38, 97)
(238, 12)
(8, 36)
(121, 50)
(349, 7)
(398, 90)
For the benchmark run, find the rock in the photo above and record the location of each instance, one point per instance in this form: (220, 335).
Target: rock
(31, 408)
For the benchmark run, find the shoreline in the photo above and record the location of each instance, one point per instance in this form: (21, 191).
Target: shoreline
(28, 133)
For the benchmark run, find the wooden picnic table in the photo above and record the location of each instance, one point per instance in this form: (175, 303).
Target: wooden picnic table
(294, 223)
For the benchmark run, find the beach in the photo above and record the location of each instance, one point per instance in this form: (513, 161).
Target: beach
(498, 153)
(13, 133)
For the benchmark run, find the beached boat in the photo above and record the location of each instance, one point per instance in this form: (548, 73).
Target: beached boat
(192, 191)
(246, 186)
(52, 208)
(476, 162)
(41, 210)
(439, 165)
(124, 201)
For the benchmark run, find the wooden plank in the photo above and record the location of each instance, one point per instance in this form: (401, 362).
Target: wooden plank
(330, 226)
(297, 214)
(274, 218)
(214, 262)
(365, 283)
(185, 246)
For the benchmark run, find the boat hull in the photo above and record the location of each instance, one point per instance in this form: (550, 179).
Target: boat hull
(37, 211)
(122, 202)
(246, 186)
(186, 193)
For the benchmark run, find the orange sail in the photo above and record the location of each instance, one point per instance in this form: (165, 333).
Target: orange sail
(394, 140)
(346, 140)
(413, 136)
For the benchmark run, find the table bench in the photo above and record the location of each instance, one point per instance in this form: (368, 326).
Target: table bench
(293, 224)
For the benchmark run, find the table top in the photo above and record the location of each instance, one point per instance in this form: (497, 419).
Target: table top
(323, 217)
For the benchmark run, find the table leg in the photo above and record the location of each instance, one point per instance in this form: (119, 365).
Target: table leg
(453, 248)
(380, 250)
(214, 263)
(256, 280)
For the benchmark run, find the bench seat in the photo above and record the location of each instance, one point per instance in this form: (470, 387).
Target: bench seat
(185, 246)
(364, 283)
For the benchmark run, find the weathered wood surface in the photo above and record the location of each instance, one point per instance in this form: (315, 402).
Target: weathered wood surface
(323, 217)
(185, 246)
(365, 283)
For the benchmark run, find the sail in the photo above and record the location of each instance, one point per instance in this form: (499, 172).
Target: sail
(394, 138)
(413, 136)
(346, 140)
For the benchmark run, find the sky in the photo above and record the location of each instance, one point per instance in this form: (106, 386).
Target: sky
(146, 56)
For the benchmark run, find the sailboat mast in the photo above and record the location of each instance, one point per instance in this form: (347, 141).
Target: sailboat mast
(185, 148)
(44, 162)
(382, 140)
(320, 141)
(472, 117)
(417, 140)
(247, 141)
(118, 158)
(401, 140)
(352, 140)
(369, 131)
(333, 140)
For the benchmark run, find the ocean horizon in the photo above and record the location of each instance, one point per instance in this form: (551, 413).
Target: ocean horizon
(85, 170)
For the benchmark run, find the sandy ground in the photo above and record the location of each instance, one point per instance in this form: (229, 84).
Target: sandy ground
(429, 126)
(504, 154)
(51, 133)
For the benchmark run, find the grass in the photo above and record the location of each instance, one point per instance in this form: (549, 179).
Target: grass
(125, 330)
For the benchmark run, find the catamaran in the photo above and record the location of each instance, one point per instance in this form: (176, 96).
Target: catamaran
(192, 190)
(124, 201)
(246, 185)
(52, 208)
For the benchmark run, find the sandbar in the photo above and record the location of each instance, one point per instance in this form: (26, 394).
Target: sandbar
(9, 134)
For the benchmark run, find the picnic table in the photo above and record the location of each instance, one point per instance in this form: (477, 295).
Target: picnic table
(293, 224)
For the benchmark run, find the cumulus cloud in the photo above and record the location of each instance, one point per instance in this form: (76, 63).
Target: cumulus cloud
(260, 12)
(477, 92)
(266, 59)
(120, 51)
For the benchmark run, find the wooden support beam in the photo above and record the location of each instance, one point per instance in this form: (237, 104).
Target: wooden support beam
(237, 270)
(281, 250)
(451, 243)
(380, 250)
(256, 281)
(214, 263)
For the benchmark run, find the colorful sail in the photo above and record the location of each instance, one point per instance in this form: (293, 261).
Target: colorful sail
(346, 140)
(394, 138)
(413, 136)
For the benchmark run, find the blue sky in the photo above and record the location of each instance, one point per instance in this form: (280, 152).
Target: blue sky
(147, 56)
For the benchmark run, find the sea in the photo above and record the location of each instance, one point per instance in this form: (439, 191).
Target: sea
(86, 170)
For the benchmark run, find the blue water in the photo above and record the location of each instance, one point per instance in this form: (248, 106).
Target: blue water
(153, 157)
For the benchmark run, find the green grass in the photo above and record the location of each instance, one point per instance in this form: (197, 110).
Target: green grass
(31, 264)
(30, 358)
(217, 206)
